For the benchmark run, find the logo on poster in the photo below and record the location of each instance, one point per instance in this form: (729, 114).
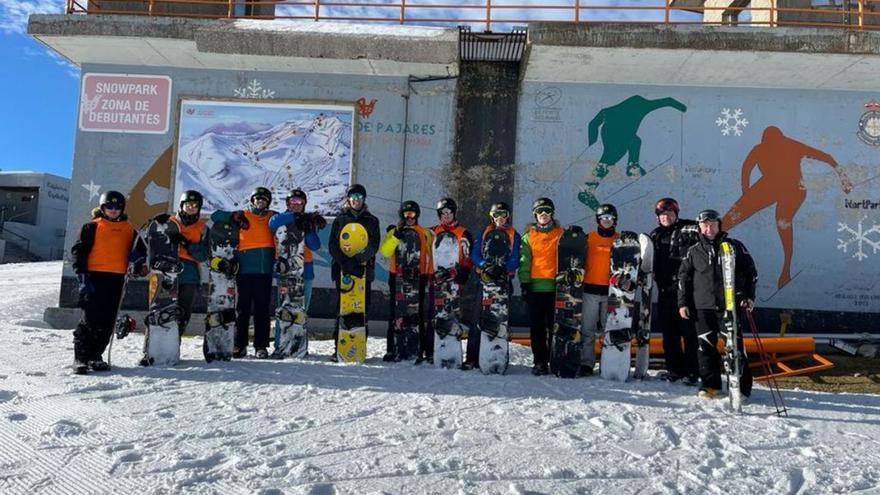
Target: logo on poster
(365, 109)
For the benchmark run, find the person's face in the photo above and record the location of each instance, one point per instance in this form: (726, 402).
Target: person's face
(190, 207)
(709, 228)
(410, 217)
(667, 218)
(500, 218)
(606, 222)
(356, 201)
(447, 217)
(296, 205)
(111, 211)
(260, 203)
(544, 215)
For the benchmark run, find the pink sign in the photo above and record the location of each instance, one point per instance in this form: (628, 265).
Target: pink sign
(125, 103)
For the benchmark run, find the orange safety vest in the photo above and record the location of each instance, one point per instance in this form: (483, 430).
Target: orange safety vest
(598, 270)
(458, 231)
(545, 248)
(258, 235)
(425, 267)
(113, 243)
(192, 233)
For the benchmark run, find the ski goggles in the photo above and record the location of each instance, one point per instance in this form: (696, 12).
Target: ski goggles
(260, 198)
(708, 216)
(191, 204)
(607, 217)
(499, 214)
(356, 196)
(112, 206)
(543, 210)
(409, 214)
(296, 201)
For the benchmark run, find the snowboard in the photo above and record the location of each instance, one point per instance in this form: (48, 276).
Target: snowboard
(407, 258)
(447, 308)
(646, 295)
(351, 342)
(622, 286)
(565, 350)
(291, 338)
(733, 358)
(220, 319)
(162, 338)
(494, 335)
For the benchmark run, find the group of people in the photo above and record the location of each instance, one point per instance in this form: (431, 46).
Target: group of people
(686, 268)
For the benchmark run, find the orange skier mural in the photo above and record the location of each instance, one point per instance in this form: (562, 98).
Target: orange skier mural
(778, 158)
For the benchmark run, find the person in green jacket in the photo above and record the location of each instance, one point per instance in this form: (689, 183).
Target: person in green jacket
(537, 279)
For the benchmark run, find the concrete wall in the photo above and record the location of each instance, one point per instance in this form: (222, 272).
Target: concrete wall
(688, 155)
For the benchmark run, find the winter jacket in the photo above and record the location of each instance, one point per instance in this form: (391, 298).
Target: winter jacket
(515, 242)
(389, 246)
(700, 280)
(256, 245)
(465, 242)
(198, 250)
(367, 256)
(311, 239)
(538, 258)
(106, 245)
(671, 245)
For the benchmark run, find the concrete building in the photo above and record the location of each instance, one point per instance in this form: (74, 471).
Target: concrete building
(33, 214)
(777, 128)
(838, 13)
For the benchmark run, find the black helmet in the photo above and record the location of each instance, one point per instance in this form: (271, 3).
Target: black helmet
(543, 203)
(709, 216)
(262, 192)
(356, 189)
(113, 198)
(447, 203)
(409, 206)
(666, 204)
(297, 193)
(191, 195)
(499, 206)
(606, 209)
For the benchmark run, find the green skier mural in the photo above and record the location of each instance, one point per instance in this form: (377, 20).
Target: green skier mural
(619, 124)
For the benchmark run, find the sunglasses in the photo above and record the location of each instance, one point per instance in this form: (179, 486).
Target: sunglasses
(500, 214)
(409, 214)
(543, 210)
(356, 196)
(610, 218)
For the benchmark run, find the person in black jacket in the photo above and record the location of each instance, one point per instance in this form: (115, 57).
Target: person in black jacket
(363, 263)
(672, 239)
(701, 297)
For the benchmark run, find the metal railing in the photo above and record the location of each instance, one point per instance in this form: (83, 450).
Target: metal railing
(853, 14)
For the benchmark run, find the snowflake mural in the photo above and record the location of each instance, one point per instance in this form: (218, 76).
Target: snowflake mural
(858, 237)
(254, 90)
(731, 121)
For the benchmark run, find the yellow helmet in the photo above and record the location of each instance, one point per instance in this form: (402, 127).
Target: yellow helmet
(353, 239)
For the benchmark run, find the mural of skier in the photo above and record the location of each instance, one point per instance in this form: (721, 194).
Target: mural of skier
(778, 158)
(619, 126)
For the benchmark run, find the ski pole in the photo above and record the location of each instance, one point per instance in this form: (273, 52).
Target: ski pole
(775, 393)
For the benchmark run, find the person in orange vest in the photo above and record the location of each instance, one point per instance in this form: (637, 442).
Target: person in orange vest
(256, 261)
(100, 257)
(409, 213)
(501, 219)
(537, 279)
(447, 210)
(596, 276)
(193, 247)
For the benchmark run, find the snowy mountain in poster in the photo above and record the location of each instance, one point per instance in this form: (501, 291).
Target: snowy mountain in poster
(228, 159)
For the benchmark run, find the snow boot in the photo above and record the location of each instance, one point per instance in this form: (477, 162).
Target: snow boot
(99, 365)
(80, 368)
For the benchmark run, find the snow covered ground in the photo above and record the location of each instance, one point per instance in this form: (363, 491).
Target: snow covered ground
(318, 427)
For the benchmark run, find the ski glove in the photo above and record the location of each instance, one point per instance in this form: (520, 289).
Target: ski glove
(398, 232)
(300, 222)
(162, 218)
(178, 238)
(318, 221)
(240, 220)
(86, 289)
(496, 272)
(461, 277)
(354, 269)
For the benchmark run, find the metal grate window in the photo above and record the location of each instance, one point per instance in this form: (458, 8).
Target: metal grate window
(491, 47)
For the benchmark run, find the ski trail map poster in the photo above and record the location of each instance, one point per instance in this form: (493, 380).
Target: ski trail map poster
(225, 149)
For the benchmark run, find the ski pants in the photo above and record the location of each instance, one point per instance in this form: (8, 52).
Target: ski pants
(254, 297)
(541, 315)
(426, 337)
(676, 330)
(186, 296)
(367, 297)
(93, 332)
(594, 311)
(708, 323)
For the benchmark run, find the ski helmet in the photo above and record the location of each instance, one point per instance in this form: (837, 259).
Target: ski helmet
(356, 189)
(543, 204)
(447, 203)
(262, 192)
(666, 204)
(114, 198)
(189, 196)
(297, 193)
(499, 207)
(407, 206)
(606, 209)
(709, 216)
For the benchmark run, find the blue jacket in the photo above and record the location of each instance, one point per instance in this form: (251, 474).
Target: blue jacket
(313, 243)
(260, 260)
(512, 261)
